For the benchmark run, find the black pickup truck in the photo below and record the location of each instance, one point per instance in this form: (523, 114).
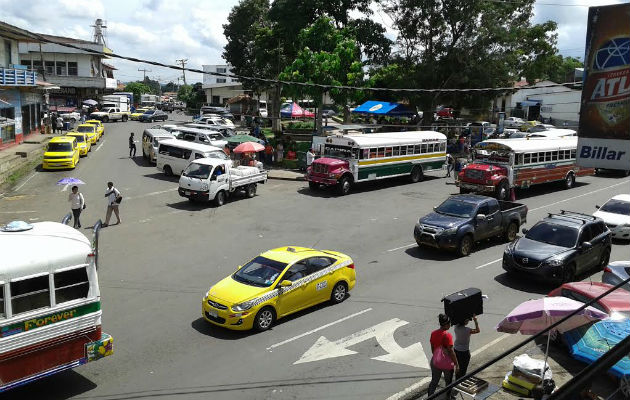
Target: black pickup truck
(462, 220)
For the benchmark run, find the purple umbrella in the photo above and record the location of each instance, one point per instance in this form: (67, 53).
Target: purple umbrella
(533, 316)
(70, 181)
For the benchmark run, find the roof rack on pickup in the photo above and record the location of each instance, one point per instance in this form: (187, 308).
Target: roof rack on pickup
(574, 215)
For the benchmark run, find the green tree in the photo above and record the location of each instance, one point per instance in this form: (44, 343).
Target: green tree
(562, 69)
(465, 44)
(192, 95)
(154, 86)
(137, 88)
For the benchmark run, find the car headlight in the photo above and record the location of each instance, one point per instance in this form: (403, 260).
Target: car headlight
(509, 248)
(207, 295)
(204, 186)
(554, 262)
(449, 231)
(244, 306)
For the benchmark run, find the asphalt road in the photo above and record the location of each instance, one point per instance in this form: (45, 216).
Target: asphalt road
(156, 266)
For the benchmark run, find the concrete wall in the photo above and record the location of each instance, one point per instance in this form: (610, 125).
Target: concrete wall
(7, 59)
(212, 79)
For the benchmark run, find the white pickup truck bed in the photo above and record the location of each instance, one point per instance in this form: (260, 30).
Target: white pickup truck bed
(242, 176)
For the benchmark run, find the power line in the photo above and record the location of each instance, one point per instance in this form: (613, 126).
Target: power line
(274, 82)
(183, 62)
(144, 73)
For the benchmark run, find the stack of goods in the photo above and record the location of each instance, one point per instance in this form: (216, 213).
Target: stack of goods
(526, 375)
(462, 305)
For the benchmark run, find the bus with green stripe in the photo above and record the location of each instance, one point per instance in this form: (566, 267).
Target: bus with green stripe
(349, 159)
(50, 308)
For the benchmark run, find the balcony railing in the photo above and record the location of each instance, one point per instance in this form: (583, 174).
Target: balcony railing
(17, 77)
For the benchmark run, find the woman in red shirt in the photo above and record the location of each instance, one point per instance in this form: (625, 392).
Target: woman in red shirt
(442, 341)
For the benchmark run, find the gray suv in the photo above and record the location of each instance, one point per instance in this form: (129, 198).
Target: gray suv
(560, 247)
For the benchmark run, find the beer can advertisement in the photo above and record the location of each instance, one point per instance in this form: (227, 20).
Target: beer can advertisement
(604, 130)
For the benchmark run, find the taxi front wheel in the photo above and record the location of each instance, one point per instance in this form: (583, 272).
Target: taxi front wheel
(264, 319)
(339, 293)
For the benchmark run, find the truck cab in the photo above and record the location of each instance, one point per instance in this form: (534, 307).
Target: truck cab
(327, 171)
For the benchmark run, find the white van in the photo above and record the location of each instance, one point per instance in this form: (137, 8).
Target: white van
(203, 136)
(174, 155)
(150, 141)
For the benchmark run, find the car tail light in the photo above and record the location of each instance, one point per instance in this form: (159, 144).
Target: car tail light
(607, 269)
(351, 266)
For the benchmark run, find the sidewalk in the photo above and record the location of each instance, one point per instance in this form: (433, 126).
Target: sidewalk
(19, 160)
(562, 365)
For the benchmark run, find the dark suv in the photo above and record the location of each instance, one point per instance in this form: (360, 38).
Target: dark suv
(559, 247)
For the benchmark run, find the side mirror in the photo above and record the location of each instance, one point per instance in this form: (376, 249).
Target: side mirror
(435, 208)
(286, 283)
(481, 217)
(586, 246)
(525, 230)
(596, 206)
(184, 173)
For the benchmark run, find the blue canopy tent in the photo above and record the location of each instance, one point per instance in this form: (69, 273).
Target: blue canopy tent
(384, 108)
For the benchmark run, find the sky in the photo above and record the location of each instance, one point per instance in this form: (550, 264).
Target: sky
(165, 31)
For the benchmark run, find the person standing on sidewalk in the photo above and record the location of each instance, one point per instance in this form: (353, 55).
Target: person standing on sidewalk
(310, 157)
(53, 123)
(59, 123)
(462, 344)
(77, 204)
(132, 146)
(450, 164)
(113, 201)
(443, 360)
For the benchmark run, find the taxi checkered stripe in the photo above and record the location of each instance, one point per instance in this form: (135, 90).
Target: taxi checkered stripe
(301, 282)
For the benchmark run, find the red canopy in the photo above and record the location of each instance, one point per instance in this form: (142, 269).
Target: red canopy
(295, 111)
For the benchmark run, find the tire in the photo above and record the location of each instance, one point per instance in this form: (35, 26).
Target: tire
(416, 174)
(465, 246)
(74, 121)
(625, 173)
(313, 185)
(339, 293)
(569, 181)
(502, 192)
(568, 273)
(251, 190)
(106, 119)
(265, 318)
(219, 199)
(168, 171)
(511, 231)
(604, 259)
(344, 186)
(124, 118)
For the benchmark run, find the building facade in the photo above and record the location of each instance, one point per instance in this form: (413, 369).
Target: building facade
(220, 89)
(21, 97)
(78, 74)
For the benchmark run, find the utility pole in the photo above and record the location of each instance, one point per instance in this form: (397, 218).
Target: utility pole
(144, 73)
(183, 62)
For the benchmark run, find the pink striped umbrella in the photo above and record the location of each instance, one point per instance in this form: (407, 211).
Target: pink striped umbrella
(249, 147)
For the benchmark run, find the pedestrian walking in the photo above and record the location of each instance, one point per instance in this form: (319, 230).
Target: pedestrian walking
(59, 124)
(279, 152)
(268, 153)
(310, 157)
(53, 123)
(132, 146)
(77, 204)
(443, 360)
(462, 344)
(450, 164)
(113, 201)
(226, 150)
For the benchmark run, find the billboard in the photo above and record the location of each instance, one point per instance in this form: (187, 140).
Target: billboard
(604, 130)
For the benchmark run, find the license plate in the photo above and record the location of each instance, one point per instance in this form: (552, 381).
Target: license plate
(187, 192)
(213, 313)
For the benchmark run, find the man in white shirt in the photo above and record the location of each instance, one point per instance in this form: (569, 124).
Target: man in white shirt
(113, 201)
(310, 156)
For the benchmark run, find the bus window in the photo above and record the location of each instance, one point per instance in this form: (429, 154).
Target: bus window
(442, 146)
(527, 159)
(71, 285)
(388, 151)
(417, 149)
(425, 148)
(2, 314)
(548, 156)
(372, 153)
(554, 156)
(573, 151)
(30, 294)
(409, 149)
(403, 150)
(381, 152)
(396, 151)
(534, 157)
(518, 159)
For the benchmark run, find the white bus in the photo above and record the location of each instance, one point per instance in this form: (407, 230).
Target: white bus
(348, 159)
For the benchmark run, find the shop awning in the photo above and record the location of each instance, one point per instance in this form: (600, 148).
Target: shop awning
(374, 107)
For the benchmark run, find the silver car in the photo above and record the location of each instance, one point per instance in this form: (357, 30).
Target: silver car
(616, 272)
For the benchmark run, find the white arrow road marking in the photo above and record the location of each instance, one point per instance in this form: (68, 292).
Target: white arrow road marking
(412, 356)
(65, 188)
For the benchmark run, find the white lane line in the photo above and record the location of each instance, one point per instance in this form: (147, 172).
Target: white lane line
(402, 247)
(17, 212)
(489, 263)
(25, 182)
(65, 188)
(273, 346)
(99, 147)
(151, 194)
(582, 195)
(416, 386)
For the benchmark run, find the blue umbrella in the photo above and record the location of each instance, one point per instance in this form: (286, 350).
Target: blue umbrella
(587, 344)
(70, 181)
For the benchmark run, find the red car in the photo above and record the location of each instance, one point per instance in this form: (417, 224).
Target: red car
(617, 302)
(446, 112)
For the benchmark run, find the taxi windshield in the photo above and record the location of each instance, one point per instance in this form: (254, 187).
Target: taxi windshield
(85, 129)
(260, 271)
(80, 138)
(65, 146)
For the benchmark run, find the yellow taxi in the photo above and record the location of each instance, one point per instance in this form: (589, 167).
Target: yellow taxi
(89, 130)
(136, 114)
(82, 141)
(527, 125)
(100, 128)
(277, 283)
(61, 152)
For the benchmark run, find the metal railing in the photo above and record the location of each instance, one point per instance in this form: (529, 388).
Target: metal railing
(17, 77)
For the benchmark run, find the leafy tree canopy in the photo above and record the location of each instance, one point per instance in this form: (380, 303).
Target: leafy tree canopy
(137, 88)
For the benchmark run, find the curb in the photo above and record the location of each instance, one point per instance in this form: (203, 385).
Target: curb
(279, 178)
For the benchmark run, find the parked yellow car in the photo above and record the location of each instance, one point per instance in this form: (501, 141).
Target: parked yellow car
(528, 124)
(100, 128)
(136, 114)
(90, 130)
(277, 283)
(61, 152)
(82, 141)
